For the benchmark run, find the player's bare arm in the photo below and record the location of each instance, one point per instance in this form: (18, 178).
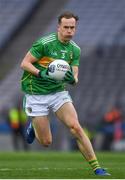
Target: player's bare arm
(75, 72)
(27, 64)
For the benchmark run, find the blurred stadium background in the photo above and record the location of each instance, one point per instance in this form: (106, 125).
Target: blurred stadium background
(101, 88)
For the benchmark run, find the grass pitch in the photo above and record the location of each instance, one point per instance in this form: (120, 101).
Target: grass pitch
(58, 165)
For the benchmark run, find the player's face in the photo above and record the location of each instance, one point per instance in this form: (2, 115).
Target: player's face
(66, 29)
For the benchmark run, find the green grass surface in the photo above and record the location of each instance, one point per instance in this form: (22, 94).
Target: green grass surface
(58, 165)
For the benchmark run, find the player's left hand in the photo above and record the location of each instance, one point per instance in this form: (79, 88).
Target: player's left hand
(69, 77)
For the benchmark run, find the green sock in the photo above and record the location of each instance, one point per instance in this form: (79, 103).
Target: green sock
(94, 164)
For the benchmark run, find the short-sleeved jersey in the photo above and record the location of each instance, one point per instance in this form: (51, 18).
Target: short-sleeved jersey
(46, 50)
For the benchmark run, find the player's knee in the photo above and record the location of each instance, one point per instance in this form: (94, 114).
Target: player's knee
(75, 130)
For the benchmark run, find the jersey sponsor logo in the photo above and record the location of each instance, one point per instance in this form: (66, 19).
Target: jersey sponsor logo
(53, 53)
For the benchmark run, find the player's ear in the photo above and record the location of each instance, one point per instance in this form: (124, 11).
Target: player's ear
(58, 28)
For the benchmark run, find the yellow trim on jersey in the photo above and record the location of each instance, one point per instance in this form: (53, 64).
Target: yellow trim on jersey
(45, 61)
(25, 77)
(31, 88)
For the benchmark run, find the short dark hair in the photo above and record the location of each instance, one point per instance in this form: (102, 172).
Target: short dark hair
(67, 15)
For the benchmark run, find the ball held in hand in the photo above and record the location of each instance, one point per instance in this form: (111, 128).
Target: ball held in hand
(58, 68)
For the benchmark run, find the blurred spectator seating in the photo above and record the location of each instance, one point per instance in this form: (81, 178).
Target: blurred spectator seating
(12, 15)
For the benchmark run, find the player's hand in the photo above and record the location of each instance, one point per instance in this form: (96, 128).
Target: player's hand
(69, 77)
(44, 75)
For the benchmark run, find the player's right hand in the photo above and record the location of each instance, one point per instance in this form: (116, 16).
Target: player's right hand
(44, 75)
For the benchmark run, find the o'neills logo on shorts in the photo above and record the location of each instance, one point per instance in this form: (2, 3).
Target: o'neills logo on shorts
(29, 109)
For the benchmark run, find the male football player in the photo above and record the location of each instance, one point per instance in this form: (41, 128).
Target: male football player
(42, 92)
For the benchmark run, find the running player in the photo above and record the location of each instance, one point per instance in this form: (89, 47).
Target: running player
(42, 92)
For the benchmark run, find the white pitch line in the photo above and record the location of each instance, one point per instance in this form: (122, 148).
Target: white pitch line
(40, 168)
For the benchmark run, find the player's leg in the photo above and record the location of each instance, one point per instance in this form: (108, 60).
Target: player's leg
(67, 114)
(39, 127)
(36, 106)
(42, 130)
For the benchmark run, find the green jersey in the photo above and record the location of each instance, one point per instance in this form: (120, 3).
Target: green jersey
(46, 50)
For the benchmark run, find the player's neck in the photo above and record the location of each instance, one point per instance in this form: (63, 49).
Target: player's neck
(61, 39)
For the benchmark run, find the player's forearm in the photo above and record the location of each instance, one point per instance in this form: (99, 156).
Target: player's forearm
(30, 68)
(76, 80)
(27, 64)
(75, 72)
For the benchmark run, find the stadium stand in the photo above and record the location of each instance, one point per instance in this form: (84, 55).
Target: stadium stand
(10, 22)
(97, 20)
(13, 14)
